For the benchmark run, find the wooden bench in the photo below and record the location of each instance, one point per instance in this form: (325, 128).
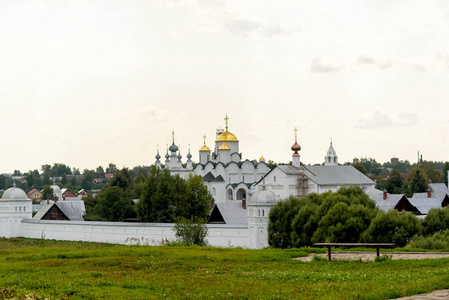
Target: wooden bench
(370, 245)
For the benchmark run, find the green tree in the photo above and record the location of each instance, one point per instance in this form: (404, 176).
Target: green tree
(115, 204)
(445, 170)
(392, 227)
(191, 231)
(100, 172)
(47, 193)
(111, 168)
(88, 179)
(395, 183)
(280, 222)
(46, 169)
(417, 181)
(436, 220)
(122, 178)
(199, 200)
(64, 179)
(2, 182)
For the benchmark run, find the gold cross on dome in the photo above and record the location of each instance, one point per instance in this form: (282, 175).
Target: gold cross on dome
(226, 120)
(296, 133)
(204, 137)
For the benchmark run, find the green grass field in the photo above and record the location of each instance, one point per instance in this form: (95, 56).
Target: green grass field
(72, 270)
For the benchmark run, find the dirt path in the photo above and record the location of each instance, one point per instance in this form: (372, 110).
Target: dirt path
(370, 256)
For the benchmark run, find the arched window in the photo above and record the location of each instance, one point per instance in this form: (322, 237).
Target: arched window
(241, 194)
(229, 194)
(274, 178)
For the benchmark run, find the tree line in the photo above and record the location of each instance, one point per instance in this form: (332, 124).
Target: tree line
(156, 196)
(349, 215)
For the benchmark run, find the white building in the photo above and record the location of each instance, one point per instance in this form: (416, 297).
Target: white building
(300, 180)
(227, 176)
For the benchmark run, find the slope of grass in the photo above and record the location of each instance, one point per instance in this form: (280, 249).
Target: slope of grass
(73, 270)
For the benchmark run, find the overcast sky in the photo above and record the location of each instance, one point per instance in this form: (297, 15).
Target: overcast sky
(87, 83)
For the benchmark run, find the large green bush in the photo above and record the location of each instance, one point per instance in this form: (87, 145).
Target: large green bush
(436, 220)
(329, 217)
(392, 227)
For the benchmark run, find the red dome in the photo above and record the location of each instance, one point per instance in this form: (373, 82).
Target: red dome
(296, 147)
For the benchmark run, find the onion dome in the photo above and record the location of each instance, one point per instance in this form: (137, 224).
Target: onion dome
(263, 197)
(226, 136)
(204, 148)
(157, 155)
(224, 147)
(173, 148)
(296, 147)
(179, 155)
(14, 193)
(262, 158)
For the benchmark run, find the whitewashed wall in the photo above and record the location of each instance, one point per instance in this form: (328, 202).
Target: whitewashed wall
(128, 233)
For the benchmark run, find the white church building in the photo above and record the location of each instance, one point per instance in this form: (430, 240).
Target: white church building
(227, 176)
(300, 180)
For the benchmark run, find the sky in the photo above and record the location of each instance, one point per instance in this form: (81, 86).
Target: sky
(87, 83)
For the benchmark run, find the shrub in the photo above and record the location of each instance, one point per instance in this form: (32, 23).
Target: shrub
(190, 232)
(436, 220)
(437, 241)
(392, 227)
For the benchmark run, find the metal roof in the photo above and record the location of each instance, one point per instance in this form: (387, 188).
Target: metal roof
(387, 204)
(329, 175)
(232, 212)
(424, 204)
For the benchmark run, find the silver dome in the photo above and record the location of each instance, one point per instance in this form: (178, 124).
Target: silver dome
(263, 197)
(14, 193)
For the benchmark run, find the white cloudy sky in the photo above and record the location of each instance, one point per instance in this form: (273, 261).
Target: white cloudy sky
(87, 83)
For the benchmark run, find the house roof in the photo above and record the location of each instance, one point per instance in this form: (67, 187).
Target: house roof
(424, 204)
(231, 212)
(389, 203)
(30, 193)
(439, 188)
(73, 210)
(329, 175)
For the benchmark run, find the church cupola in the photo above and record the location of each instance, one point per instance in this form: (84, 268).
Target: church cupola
(158, 157)
(331, 158)
(226, 137)
(204, 152)
(167, 156)
(224, 154)
(189, 160)
(295, 148)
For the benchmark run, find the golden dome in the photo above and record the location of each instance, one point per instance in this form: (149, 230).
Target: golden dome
(262, 158)
(204, 148)
(224, 147)
(226, 137)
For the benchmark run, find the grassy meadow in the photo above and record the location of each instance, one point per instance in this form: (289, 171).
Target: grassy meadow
(75, 270)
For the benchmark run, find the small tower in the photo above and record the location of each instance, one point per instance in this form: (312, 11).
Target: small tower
(331, 158)
(296, 147)
(259, 207)
(167, 157)
(189, 160)
(204, 152)
(158, 157)
(224, 153)
(174, 161)
(14, 207)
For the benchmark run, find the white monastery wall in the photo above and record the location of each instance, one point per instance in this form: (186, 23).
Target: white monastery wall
(152, 234)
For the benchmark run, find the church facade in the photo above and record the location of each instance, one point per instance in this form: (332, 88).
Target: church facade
(300, 180)
(227, 176)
